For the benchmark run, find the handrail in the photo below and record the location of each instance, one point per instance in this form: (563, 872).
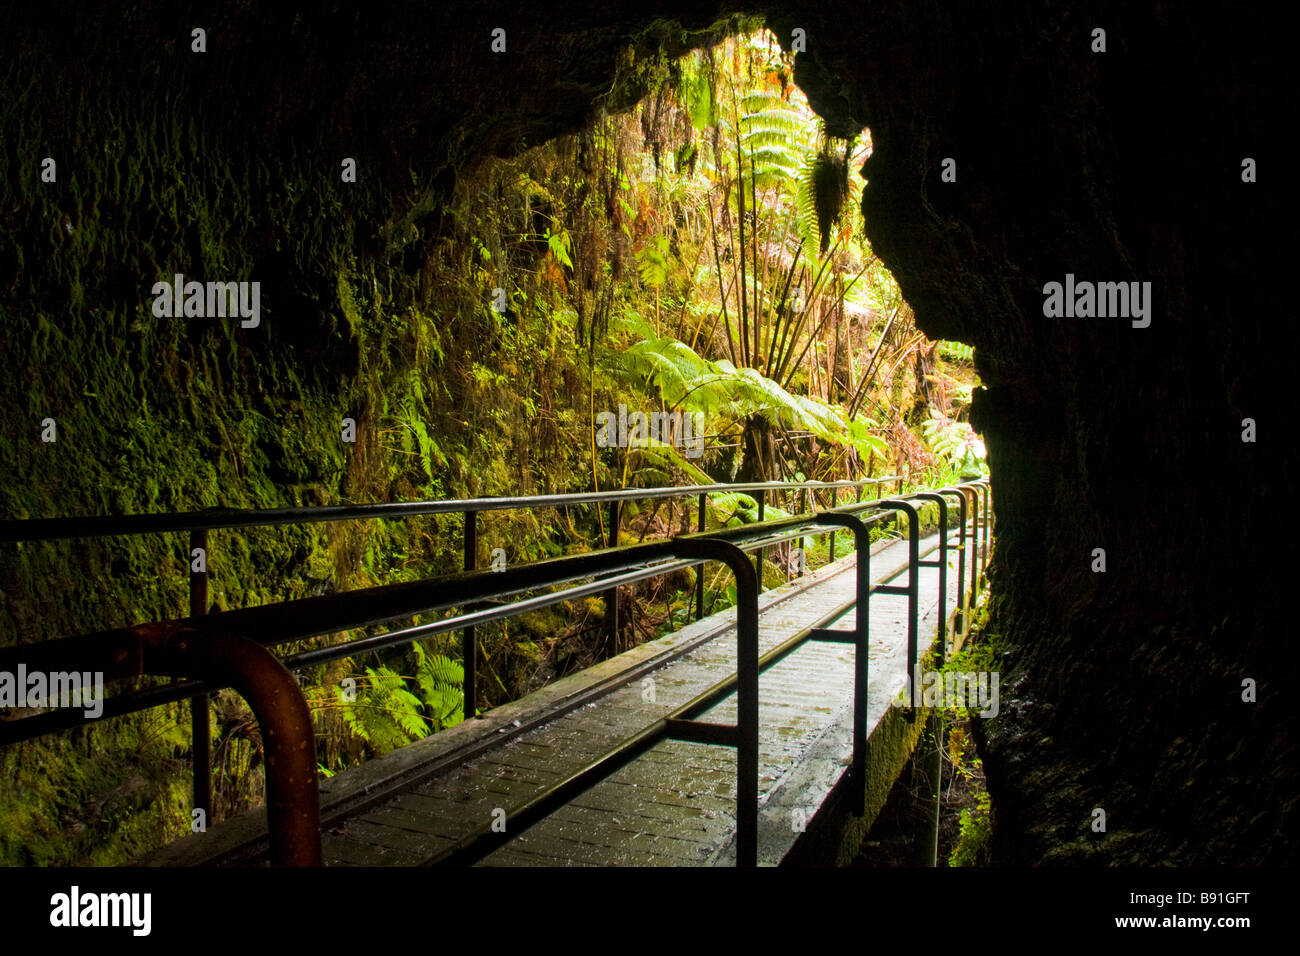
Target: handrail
(96, 526)
(911, 590)
(942, 561)
(200, 522)
(176, 649)
(287, 621)
(211, 642)
(986, 488)
(970, 499)
(982, 529)
(274, 624)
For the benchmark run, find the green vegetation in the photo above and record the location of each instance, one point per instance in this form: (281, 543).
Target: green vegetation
(976, 820)
(976, 829)
(699, 253)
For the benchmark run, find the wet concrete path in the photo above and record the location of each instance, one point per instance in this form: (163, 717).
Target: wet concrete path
(676, 804)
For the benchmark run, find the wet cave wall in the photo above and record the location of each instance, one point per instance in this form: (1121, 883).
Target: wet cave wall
(1122, 689)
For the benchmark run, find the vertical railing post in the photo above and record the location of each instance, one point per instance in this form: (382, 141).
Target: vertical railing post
(272, 693)
(200, 716)
(912, 590)
(986, 489)
(808, 502)
(961, 624)
(975, 540)
(913, 587)
(835, 500)
(699, 574)
(861, 658)
(611, 596)
(970, 497)
(747, 716)
(758, 555)
(795, 546)
(746, 726)
(942, 565)
(469, 643)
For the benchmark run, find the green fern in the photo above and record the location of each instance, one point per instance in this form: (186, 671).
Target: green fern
(955, 443)
(386, 715)
(559, 245)
(441, 681)
(957, 351)
(652, 262)
(774, 137)
(729, 396)
(733, 508)
(656, 453)
(391, 710)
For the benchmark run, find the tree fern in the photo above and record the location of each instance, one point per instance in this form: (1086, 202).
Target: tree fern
(729, 396)
(774, 137)
(653, 261)
(657, 453)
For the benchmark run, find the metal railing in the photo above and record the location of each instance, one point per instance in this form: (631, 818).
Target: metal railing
(681, 723)
(229, 648)
(199, 523)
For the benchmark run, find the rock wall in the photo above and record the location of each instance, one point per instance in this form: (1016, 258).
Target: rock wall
(1122, 690)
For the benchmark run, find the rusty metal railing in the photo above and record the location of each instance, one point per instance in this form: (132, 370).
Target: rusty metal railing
(230, 648)
(199, 523)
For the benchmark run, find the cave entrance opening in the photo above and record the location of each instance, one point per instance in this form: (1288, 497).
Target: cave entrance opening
(704, 253)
